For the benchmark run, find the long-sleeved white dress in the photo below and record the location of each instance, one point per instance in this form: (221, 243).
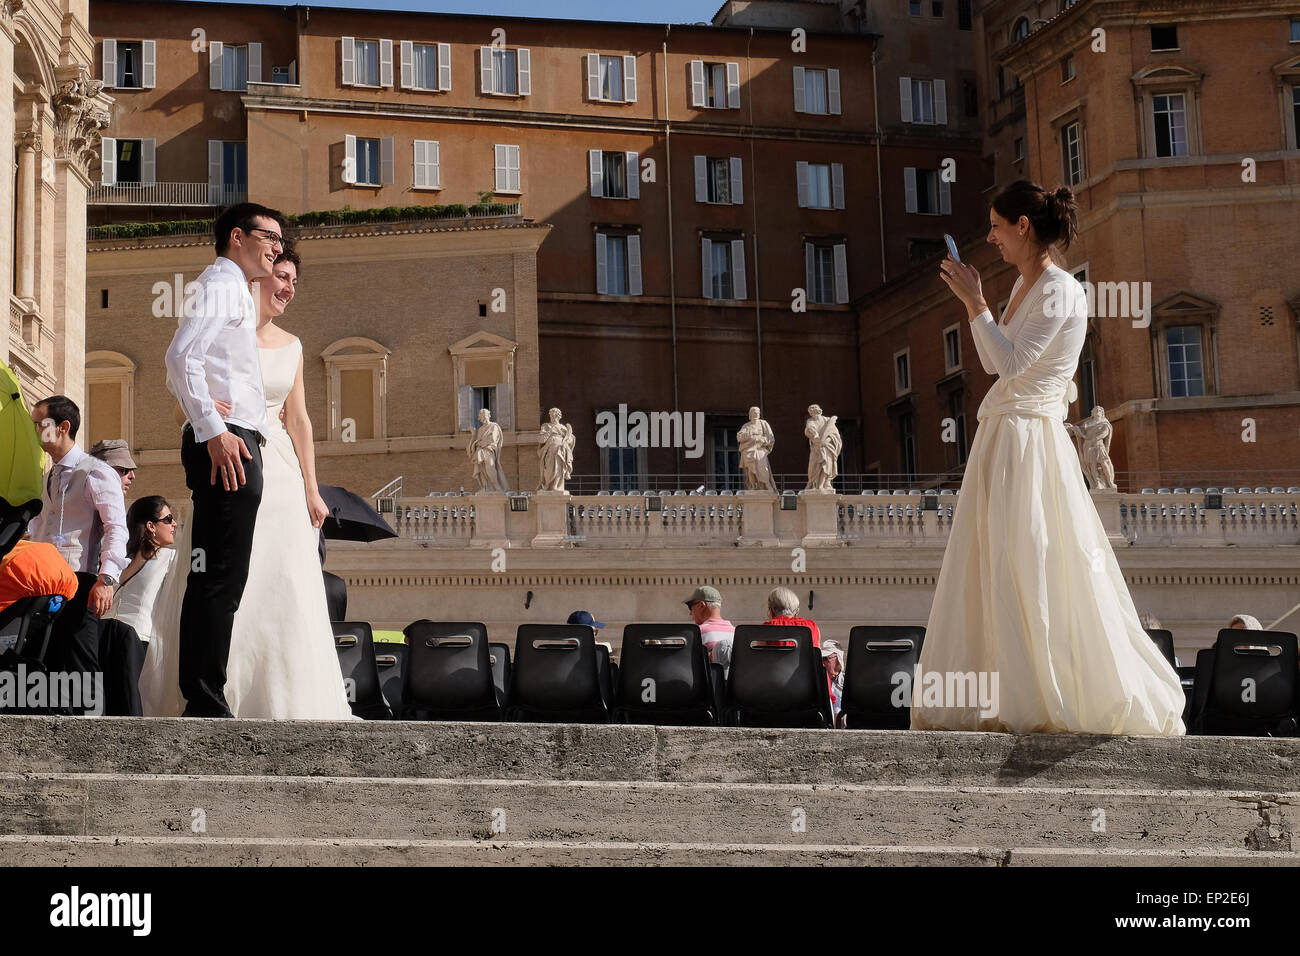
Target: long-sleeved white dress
(1030, 590)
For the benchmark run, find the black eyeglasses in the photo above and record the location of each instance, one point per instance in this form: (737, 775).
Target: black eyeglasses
(273, 237)
(168, 519)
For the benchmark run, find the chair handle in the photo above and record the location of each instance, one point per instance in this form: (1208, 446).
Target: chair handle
(902, 644)
(782, 645)
(1257, 650)
(386, 660)
(345, 640)
(663, 642)
(492, 660)
(455, 640)
(556, 644)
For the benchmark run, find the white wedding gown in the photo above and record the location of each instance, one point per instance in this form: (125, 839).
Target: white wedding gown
(1030, 589)
(282, 662)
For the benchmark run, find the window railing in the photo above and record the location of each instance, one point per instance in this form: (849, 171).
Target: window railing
(165, 194)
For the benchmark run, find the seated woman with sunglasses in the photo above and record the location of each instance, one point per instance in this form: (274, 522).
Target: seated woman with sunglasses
(148, 599)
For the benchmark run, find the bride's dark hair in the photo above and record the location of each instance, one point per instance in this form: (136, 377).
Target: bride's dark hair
(1053, 215)
(138, 516)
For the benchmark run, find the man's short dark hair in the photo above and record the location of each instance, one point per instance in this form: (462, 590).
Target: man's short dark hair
(290, 254)
(62, 409)
(240, 216)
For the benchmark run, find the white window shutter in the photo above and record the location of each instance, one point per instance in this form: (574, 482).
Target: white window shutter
(940, 103)
(254, 63)
(386, 176)
(798, 90)
(215, 172)
(733, 86)
(214, 64)
(419, 160)
(801, 176)
(110, 63)
(701, 179)
(738, 290)
(148, 162)
(737, 186)
(593, 76)
(499, 160)
(407, 54)
(909, 187)
(349, 158)
(837, 185)
(485, 69)
(149, 72)
(108, 161)
(945, 196)
(515, 167)
(505, 402)
(525, 61)
(697, 83)
(349, 48)
(385, 62)
(833, 92)
(841, 274)
(629, 83)
(706, 257)
(633, 162)
(602, 267)
(905, 98)
(596, 172)
(633, 265)
(444, 67)
(809, 271)
(434, 162)
(465, 408)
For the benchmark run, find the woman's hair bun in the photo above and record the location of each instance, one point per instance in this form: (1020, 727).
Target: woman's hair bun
(1054, 215)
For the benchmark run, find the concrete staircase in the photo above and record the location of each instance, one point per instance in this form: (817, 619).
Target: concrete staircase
(107, 791)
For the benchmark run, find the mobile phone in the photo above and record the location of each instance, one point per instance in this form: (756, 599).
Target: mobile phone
(952, 246)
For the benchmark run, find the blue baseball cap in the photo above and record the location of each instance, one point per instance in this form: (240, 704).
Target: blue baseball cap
(584, 617)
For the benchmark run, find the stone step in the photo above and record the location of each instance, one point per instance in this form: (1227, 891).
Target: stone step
(449, 751)
(244, 807)
(95, 851)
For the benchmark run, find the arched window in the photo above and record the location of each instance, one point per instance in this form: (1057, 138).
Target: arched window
(1021, 30)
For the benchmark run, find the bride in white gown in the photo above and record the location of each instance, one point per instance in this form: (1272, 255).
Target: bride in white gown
(282, 662)
(1030, 590)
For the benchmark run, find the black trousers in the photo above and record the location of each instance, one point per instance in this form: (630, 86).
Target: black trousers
(74, 639)
(121, 655)
(222, 540)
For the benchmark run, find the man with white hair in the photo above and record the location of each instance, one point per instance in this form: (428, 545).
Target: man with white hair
(783, 608)
(705, 606)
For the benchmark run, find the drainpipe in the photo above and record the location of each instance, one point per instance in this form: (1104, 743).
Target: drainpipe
(672, 258)
(880, 188)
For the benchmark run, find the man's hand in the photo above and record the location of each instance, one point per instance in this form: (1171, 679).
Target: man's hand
(223, 408)
(100, 599)
(226, 450)
(316, 508)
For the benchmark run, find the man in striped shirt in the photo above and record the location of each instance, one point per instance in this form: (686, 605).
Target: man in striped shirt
(705, 605)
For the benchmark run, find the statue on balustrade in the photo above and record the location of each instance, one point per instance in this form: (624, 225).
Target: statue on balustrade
(555, 452)
(756, 443)
(824, 446)
(1095, 432)
(485, 454)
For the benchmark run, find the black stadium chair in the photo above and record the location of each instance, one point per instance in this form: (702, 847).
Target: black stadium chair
(25, 628)
(449, 672)
(877, 656)
(355, 644)
(557, 675)
(390, 658)
(1203, 674)
(1164, 640)
(777, 679)
(1253, 685)
(500, 661)
(336, 596)
(672, 658)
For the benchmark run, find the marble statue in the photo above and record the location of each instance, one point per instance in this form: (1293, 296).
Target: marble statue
(485, 454)
(756, 442)
(824, 445)
(555, 452)
(1095, 433)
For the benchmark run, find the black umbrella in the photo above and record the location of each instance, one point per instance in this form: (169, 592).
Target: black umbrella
(351, 517)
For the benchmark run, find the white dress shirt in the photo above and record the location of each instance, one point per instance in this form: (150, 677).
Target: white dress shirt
(85, 520)
(214, 354)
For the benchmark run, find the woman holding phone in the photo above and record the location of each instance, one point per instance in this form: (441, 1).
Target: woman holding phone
(1030, 590)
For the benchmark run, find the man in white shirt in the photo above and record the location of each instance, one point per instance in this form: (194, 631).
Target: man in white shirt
(83, 515)
(213, 356)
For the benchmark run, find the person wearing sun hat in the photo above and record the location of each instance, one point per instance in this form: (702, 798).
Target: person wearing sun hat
(705, 606)
(116, 453)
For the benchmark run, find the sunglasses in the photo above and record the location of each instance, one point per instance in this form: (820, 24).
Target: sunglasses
(166, 519)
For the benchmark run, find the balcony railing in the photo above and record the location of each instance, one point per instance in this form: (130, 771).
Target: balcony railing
(165, 194)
